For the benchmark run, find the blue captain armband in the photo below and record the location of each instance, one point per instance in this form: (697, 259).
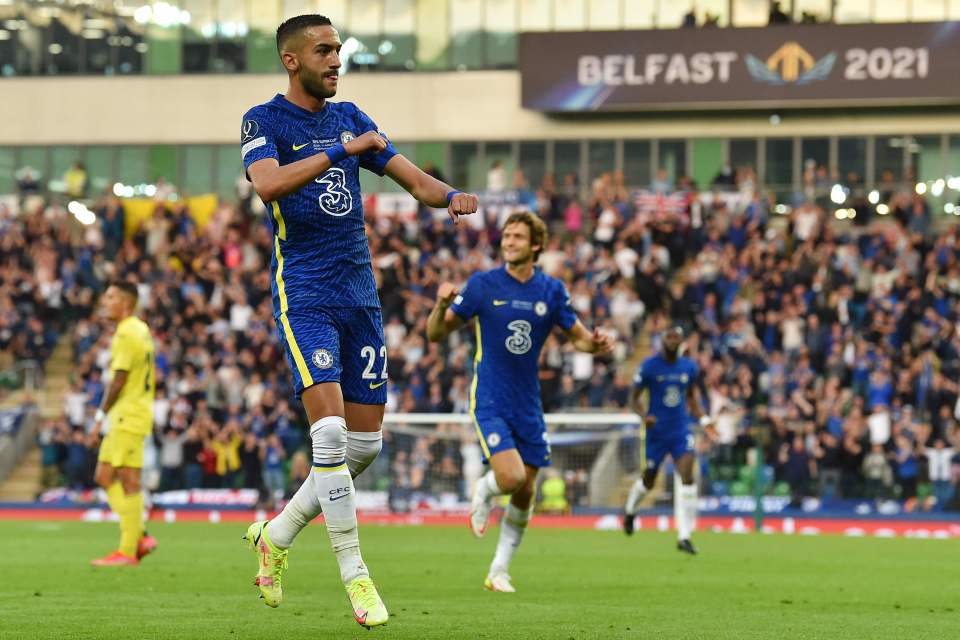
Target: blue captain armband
(450, 195)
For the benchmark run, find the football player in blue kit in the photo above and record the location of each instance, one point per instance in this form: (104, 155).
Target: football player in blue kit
(672, 383)
(516, 307)
(303, 154)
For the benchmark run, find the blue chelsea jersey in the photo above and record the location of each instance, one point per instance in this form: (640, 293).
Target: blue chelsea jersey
(321, 255)
(667, 383)
(513, 320)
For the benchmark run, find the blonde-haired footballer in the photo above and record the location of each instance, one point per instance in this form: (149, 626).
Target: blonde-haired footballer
(127, 414)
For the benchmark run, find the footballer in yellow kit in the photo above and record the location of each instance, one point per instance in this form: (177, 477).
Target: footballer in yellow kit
(126, 417)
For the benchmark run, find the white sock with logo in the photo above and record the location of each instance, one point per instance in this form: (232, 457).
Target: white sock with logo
(334, 492)
(302, 508)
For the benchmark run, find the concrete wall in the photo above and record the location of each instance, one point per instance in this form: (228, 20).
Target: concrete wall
(482, 105)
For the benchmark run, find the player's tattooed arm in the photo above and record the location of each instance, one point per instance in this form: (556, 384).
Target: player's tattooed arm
(272, 181)
(443, 321)
(430, 191)
(590, 342)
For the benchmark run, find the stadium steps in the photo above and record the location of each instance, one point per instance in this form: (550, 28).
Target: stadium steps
(24, 483)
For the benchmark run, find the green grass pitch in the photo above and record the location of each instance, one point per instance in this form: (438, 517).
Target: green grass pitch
(571, 584)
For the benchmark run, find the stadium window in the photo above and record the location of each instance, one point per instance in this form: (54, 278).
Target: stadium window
(716, 12)
(196, 168)
(671, 13)
(890, 11)
(133, 164)
(815, 149)
(7, 169)
(636, 163)
(751, 13)
(928, 10)
(605, 14)
(37, 158)
(502, 153)
(888, 155)
(364, 33)
(61, 159)
(261, 44)
(639, 14)
(231, 44)
(467, 42)
(99, 42)
(852, 160)
(398, 45)
(466, 170)
(566, 163)
(229, 167)
(569, 15)
(433, 36)
(500, 33)
(99, 163)
(851, 11)
(533, 162)
(199, 36)
(61, 45)
(778, 176)
(925, 154)
(811, 10)
(535, 15)
(602, 158)
(673, 158)
(743, 153)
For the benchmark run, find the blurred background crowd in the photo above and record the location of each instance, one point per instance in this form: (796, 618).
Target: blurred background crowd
(832, 339)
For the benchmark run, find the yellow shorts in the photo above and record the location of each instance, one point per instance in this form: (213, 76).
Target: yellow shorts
(122, 449)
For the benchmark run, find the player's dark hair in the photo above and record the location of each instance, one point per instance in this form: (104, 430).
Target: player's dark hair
(296, 24)
(126, 287)
(538, 229)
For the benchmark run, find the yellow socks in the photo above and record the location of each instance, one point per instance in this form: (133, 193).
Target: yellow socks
(131, 524)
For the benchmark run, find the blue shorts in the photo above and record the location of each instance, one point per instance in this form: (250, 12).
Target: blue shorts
(677, 443)
(343, 345)
(527, 436)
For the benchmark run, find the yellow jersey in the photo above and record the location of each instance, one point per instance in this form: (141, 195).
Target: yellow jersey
(132, 351)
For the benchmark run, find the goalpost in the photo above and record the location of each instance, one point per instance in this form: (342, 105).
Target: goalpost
(431, 460)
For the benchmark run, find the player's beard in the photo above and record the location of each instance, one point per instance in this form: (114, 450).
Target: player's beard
(313, 84)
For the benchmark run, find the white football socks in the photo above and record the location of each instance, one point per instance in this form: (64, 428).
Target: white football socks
(487, 487)
(333, 489)
(684, 508)
(362, 449)
(512, 528)
(298, 512)
(637, 491)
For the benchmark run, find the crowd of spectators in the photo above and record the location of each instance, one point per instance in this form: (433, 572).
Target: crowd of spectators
(836, 340)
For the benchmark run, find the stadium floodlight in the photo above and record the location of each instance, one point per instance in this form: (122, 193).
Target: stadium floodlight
(840, 214)
(118, 189)
(953, 182)
(150, 190)
(874, 197)
(781, 209)
(883, 209)
(921, 188)
(950, 208)
(838, 195)
(937, 189)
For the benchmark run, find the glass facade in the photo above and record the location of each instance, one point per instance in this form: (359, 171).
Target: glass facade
(783, 166)
(114, 37)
